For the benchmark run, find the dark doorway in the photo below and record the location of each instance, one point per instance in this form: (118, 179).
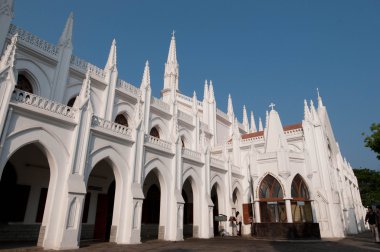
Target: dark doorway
(214, 198)
(23, 191)
(104, 211)
(150, 219)
(187, 195)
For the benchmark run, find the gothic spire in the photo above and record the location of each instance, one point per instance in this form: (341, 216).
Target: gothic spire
(314, 113)
(146, 76)
(172, 56)
(306, 110)
(211, 92)
(84, 94)
(253, 123)
(260, 124)
(171, 74)
(205, 91)
(245, 119)
(8, 58)
(275, 138)
(195, 102)
(111, 62)
(230, 108)
(66, 36)
(320, 103)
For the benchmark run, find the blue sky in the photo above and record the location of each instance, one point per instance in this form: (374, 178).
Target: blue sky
(259, 51)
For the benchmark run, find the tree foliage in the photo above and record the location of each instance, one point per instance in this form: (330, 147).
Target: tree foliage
(369, 186)
(373, 141)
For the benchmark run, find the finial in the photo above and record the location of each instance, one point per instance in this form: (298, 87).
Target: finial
(272, 105)
(173, 33)
(318, 92)
(147, 63)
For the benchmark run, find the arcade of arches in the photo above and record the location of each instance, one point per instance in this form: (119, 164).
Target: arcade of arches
(273, 206)
(23, 192)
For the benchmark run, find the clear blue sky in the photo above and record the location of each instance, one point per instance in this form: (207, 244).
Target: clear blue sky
(260, 51)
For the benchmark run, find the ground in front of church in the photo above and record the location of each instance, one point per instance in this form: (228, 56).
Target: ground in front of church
(359, 243)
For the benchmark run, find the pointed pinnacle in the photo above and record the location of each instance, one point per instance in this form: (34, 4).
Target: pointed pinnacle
(66, 36)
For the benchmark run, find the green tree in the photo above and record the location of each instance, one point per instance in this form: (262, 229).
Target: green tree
(369, 185)
(373, 141)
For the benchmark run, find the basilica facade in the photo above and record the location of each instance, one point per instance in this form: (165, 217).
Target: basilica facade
(87, 155)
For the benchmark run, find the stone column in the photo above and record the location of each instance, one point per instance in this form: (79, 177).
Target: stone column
(288, 211)
(257, 211)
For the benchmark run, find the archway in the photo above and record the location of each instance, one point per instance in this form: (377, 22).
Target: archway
(272, 204)
(71, 102)
(24, 84)
(154, 132)
(188, 210)
(121, 119)
(99, 203)
(24, 188)
(301, 204)
(215, 201)
(150, 219)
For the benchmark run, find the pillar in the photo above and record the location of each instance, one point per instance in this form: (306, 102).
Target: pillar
(257, 211)
(288, 211)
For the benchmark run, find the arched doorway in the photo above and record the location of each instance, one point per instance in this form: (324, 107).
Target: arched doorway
(215, 201)
(24, 84)
(23, 192)
(188, 210)
(272, 204)
(121, 119)
(71, 102)
(150, 219)
(154, 132)
(98, 209)
(301, 204)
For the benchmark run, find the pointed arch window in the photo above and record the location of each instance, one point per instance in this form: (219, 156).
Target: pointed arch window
(154, 132)
(121, 119)
(71, 102)
(272, 204)
(300, 204)
(24, 84)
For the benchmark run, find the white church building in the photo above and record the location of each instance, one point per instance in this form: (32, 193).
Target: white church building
(85, 155)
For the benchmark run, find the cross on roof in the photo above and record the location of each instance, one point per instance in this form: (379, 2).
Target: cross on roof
(272, 105)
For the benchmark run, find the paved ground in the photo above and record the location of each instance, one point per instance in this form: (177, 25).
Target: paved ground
(359, 243)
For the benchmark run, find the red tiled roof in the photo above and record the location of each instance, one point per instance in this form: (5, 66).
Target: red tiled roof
(261, 133)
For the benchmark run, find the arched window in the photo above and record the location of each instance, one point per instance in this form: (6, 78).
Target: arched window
(121, 119)
(272, 204)
(154, 132)
(71, 102)
(301, 205)
(24, 84)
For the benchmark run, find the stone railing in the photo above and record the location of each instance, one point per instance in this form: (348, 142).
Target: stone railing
(217, 162)
(111, 126)
(134, 91)
(33, 40)
(293, 131)
(82, 66)
(184, 98)
(252, 139)
(222, 114)
(185, 117)
(160, 104)
(43, 103)
(159, 142)
(191, 153)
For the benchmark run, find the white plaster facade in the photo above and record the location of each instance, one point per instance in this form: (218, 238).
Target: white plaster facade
(73, 150)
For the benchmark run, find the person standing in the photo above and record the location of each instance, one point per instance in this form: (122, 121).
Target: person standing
(371, 219)
(378, 219)
(238, 222)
